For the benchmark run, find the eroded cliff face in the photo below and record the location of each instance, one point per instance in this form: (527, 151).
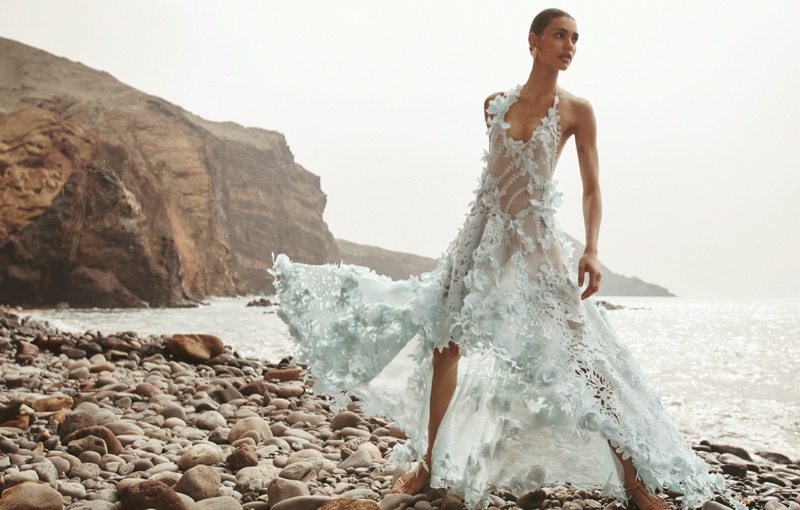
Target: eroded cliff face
(81, 222)
(104, 186)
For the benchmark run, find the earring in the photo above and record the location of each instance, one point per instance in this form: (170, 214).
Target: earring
(535, 52)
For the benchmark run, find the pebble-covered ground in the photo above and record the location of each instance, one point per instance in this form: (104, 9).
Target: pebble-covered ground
(121, 422)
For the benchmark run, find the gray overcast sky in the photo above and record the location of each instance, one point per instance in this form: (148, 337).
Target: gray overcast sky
(697, 108)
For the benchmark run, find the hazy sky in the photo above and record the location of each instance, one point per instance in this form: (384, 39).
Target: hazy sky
(696, 102)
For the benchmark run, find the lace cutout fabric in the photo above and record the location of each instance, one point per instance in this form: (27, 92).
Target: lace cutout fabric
(543, 383)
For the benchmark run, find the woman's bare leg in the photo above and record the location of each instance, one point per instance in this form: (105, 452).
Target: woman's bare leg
(642, 499)
(443, 384)
(629, 476)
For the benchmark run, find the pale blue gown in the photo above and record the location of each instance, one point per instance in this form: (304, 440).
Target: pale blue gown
(543, 381)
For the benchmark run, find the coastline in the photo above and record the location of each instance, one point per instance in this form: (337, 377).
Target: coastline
(108, 421)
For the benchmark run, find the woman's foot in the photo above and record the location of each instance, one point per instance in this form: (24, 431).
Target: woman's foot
(643, 500)
(413, 481)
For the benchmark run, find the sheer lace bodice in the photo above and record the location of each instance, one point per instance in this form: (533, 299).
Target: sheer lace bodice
(519, 171)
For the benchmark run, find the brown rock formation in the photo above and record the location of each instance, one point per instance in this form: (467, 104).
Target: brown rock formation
(112, 197)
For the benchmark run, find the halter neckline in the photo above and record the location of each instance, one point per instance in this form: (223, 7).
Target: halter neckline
(512, 98)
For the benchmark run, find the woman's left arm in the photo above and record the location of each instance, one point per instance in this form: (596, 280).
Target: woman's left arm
(586, 145)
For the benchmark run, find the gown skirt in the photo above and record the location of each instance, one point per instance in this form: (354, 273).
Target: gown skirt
(544, 384)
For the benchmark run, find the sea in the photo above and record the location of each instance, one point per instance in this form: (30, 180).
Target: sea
(728, 370)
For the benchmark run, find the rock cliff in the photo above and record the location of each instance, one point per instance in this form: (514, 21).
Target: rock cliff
(112, 197)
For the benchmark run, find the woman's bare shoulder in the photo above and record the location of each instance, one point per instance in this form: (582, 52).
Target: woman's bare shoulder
(578, 104)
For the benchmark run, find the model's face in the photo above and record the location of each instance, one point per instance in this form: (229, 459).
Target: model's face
(558, 42)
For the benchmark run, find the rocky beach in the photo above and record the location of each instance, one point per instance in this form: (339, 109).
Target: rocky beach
(100, 422)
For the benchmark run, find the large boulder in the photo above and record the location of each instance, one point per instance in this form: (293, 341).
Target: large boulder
(194, 348)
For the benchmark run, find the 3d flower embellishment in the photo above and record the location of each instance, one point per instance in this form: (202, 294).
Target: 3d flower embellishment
(590, 421)
(497, 112)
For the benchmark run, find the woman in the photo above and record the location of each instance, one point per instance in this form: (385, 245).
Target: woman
(495, 366)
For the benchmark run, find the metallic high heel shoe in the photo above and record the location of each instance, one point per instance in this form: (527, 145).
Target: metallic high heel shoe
(654, 502)
(401, 486)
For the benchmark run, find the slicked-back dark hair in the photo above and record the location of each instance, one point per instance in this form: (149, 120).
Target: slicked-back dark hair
(542, 19)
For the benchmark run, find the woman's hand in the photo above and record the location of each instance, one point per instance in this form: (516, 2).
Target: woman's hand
(589, 264)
